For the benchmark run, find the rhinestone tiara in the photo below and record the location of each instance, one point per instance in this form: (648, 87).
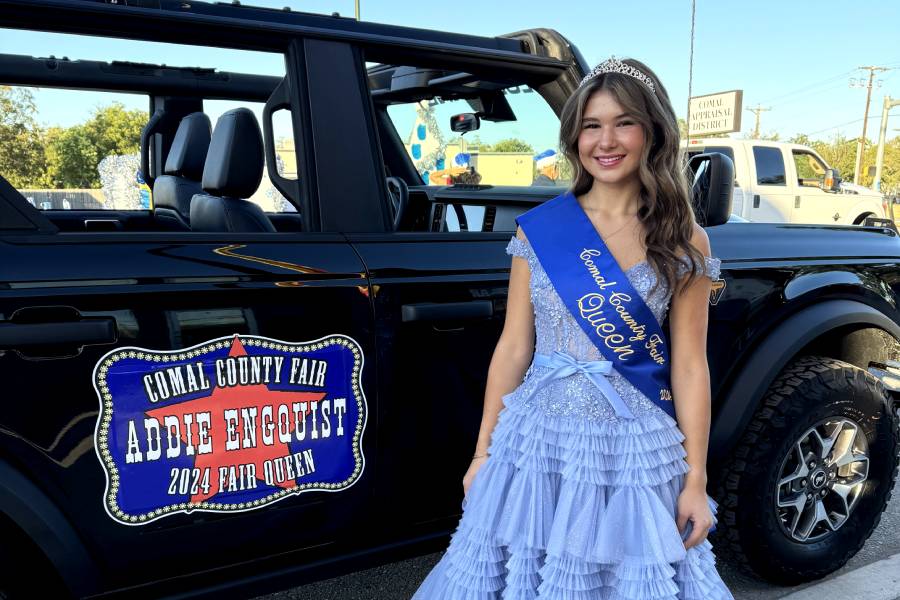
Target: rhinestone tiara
(614, 65)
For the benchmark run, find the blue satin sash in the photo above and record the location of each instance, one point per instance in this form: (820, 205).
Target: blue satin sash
(600, 297)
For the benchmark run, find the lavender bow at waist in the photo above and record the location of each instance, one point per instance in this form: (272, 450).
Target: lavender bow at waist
(563, 365)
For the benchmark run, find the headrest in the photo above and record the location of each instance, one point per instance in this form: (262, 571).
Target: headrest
(188, 153)
(234, 164)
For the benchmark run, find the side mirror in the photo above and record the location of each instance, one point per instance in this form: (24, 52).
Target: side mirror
(711, 186)
(832, 181)
(464, 122)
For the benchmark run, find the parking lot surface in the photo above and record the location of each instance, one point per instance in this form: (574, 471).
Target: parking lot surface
(398, 581)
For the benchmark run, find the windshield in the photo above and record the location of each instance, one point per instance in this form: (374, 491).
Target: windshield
(515, 145)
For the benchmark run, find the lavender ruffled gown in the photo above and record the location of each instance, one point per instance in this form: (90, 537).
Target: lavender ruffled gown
(575, 503)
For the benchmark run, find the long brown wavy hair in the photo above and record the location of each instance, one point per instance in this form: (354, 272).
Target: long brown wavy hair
(666, 214)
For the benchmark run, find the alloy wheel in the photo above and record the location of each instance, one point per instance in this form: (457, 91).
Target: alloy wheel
(822, 479)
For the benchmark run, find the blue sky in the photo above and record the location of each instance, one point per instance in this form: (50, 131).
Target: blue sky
(795, 57)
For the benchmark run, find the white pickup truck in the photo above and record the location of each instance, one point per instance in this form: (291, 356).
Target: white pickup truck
(781, 182)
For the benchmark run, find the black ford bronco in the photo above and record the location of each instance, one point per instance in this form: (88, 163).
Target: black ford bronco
(271, 369)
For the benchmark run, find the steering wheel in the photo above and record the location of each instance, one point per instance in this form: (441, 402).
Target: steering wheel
(399, 193)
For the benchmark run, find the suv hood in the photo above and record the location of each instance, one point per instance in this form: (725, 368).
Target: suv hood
(786, 242)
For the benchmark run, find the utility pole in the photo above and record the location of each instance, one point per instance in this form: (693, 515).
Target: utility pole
(756, 111)
(879, 159)
(357, 10)
(861, 144)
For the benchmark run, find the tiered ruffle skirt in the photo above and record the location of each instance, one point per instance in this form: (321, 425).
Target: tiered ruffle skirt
(573, 509)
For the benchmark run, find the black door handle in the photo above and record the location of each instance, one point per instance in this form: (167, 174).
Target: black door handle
(18, 336)
(443, 311)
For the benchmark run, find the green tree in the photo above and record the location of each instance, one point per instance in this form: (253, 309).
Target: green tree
(74, 153)
(890, 176)
(839, 153)
(891, 170)
(115, 130)
(508, 145)
(801, 138)
(566, 172)
(772, 136)
(21, 145)
(72, 159)
(472, 141)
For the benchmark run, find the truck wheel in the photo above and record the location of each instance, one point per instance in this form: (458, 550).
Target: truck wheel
(808, 482)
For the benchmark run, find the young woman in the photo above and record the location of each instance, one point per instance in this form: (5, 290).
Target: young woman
(583, 486)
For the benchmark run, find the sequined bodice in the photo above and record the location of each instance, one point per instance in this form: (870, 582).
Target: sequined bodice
(555, 327)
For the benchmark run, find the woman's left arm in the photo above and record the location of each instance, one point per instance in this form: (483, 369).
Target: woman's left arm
(688, 318)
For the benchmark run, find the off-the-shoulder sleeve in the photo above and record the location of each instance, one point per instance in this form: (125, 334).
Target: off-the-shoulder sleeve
(517, 247)
(711, 267)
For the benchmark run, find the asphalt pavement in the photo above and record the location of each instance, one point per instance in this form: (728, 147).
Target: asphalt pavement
(870, 575)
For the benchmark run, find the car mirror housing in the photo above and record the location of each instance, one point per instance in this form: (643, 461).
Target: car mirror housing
(712, 187)
(464, 122)
(832, 181)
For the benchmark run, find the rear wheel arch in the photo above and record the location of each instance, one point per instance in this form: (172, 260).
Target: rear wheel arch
(823, 329)
(28, 516)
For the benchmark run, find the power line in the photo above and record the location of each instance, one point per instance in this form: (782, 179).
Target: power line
(804, 112)
(841, 125)
(836, 126)
(805, 91)
(794, 115)
(809, 86)
(806, 95)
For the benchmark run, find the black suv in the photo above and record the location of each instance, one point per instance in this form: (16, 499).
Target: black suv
(210, 392)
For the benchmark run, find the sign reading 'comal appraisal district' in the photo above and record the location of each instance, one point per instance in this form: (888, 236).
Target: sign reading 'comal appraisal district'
(716, 113)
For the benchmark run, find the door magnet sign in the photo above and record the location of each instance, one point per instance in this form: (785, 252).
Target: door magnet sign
(232, 424)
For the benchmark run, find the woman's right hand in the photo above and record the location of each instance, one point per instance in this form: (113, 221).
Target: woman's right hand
(470, 474)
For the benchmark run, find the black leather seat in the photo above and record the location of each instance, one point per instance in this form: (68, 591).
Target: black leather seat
(172, 192)
(233, 170)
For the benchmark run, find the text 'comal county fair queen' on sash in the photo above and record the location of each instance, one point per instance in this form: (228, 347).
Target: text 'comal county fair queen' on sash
(590, 307)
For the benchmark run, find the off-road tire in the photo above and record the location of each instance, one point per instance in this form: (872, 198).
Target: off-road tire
(808, 390)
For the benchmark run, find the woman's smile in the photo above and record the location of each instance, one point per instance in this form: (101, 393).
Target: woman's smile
(609, 161)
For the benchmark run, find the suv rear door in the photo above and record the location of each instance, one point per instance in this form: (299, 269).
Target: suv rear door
(97, 292)
(106, 334)
(773, 194)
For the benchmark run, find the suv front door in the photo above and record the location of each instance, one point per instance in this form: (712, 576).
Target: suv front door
(815, 205)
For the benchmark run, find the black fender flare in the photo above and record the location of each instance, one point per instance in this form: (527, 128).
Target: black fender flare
(743, 395)
(27, 507)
